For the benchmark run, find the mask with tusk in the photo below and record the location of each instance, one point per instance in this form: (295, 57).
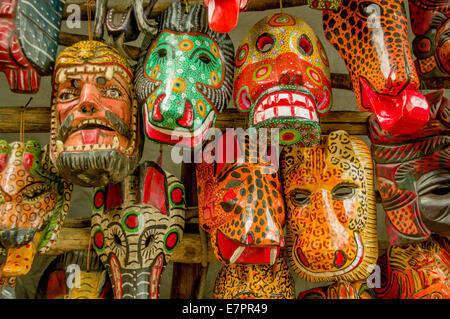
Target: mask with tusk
(240, 201)
(331, 215)
(184, 77)
(136, 226)
(34, 202)
(95, 128)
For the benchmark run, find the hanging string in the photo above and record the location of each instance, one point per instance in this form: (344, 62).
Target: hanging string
(159, 160)
(187, 6)
(89, 3)
(22, 121)
(281, 6)
(88, 254)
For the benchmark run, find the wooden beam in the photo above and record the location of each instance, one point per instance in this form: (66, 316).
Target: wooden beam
(254, 5)
(37, 120)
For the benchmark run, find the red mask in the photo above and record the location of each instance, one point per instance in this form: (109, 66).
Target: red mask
(371, 37)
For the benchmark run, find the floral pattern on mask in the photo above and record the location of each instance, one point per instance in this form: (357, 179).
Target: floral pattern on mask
(331, 216)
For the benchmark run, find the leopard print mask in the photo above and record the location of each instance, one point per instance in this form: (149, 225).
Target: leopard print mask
(331, 216)
(34, 202)
(240, 203)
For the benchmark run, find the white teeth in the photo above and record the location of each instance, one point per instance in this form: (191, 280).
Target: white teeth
(273, 255)
(259, 117)
(95, 147)
(59, 146)
(79, 148)
(301, 112)
(115, 142)
(299, 98)
(284, 111)
(284, 96)
(87, 147)
(269, 114)
(70, 148)
(237, 253)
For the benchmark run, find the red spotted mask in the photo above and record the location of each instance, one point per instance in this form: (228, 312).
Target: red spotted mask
(282, 79)
(240, 202)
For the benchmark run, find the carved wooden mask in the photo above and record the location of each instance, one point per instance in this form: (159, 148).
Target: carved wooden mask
(184, 78)
(331, 215)
(136, 226)
(255, 282)
(413, 174)
(34, 202)
(282, 79)
(240, 202)
(372, 38)
(29, 32)
(95, 129)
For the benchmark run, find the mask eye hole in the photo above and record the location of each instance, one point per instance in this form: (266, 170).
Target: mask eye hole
(368, 9)
(162, 53)
(117, 240)
(205, 59)
(300, 197)
(150, 239)
(304, 45)
(265, 42)
(343, 191)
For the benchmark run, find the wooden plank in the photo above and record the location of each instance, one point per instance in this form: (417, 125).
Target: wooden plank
(37, 120)
(255, 5)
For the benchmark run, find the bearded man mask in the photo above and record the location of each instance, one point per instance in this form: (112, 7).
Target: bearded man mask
(136, 226)
(282, 79)
(331, 216)
(184, 78)
(34, 202)
(95, 136)
(413, 174)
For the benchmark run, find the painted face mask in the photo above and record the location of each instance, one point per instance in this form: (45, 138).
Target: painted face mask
(28, 52)
(416, 271)
(340, 290)
(430, 22)
(282, 79)
(34, 202)
(223, 14)
(255, 282)
(240, 202)
(413, 174)
(95, 135)
(185, 77)
(371, 37)
(136, 226)
(331, 216)
(70, 277)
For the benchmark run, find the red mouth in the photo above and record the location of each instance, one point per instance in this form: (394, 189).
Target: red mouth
(404, 113)
(285, 104)
(235, 252)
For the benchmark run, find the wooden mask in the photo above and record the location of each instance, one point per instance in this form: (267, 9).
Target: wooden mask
(430, 22)
(136, 226)
(255, 282)
(185, 77)
(416, 271)
(282, 79)
(331, 216)
(223, 14)
(371, 37)
(95, 129)
(34, 202)
(413, 174)
(93, 282)
(29, 32)
(340, 290)
(240, 202)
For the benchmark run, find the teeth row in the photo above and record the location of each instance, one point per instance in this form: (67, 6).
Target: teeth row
(238, 252)
(94, 147)
(285, 111)
(108, 70)
(93, 121)
(291, 98)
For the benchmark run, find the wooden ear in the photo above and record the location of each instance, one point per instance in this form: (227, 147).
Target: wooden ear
(155, 188)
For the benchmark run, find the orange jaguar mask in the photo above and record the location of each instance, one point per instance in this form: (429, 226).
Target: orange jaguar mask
(255, 282)
(33, 204)
(240, 203)
(331, 217)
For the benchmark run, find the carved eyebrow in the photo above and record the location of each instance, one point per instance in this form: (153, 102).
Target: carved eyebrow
(167, 44)
(202, 50)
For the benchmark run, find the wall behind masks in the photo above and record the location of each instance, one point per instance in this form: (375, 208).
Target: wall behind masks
(81, 200)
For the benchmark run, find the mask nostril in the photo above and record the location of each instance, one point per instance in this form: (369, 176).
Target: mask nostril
(298, 80)
(285, 79)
